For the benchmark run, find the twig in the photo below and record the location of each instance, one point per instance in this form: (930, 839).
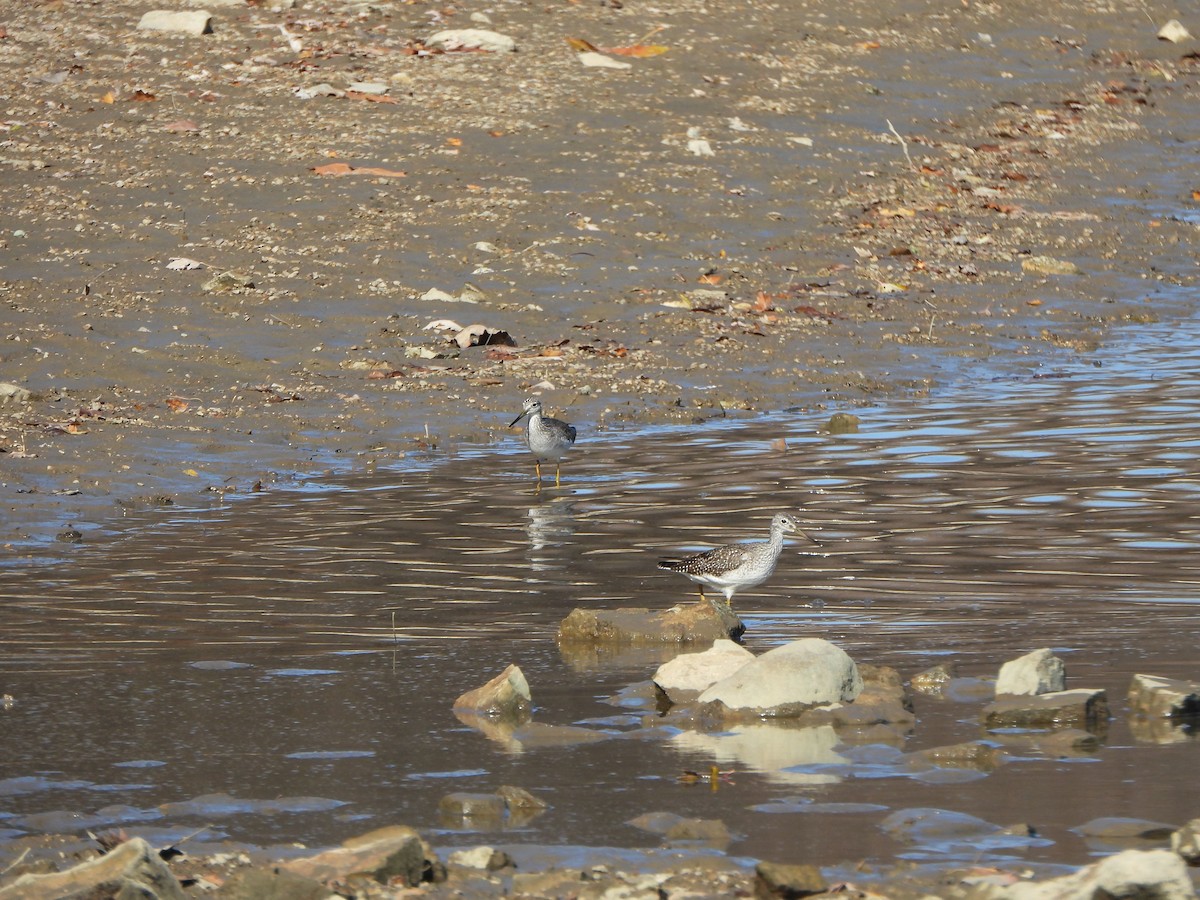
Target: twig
(903, 143)
(16, 862)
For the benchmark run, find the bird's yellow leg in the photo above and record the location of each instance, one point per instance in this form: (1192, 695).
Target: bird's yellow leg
(557, 474)
(537, 467)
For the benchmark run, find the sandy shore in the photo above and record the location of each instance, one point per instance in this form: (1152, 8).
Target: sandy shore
(788, 206)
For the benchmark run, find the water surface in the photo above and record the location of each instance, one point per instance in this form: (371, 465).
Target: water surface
(283, 669)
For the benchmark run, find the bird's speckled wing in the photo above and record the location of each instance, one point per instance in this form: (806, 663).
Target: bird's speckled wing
(716, 560)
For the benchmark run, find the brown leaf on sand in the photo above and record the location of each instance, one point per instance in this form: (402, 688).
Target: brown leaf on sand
(340, 168)
(638, 51)
(177, 405)
(140, 96)
(582, 46)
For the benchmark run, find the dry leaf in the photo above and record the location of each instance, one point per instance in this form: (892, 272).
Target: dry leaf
(347, 169)
(581, 45)
(177, 405)
(711, 278)
(454, 142)
(192, 472)
(638, 51)
(140, 96)
(108, 98)
(867, 45)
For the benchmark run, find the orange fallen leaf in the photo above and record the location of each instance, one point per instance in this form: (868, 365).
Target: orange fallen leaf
(454, 142)
(496, 132)
(711, 278)
(74, 428)
(762, 302)
(340, 168)
(371, 98)
(177, 405)
(582, 46)
(867, 45)
(1196, 195)
(1033, 302)
(638, 51)
(108, 98)
(140, 96)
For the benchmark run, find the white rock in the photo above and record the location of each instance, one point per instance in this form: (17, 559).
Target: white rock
(808, 672)
(1134, 873)
(600, 61)
(176, 21)
(10, 393)
(475, 858)
(691, 673)
(700, 147)
(1174, 31)
(324, 89)
(368, 87)
(1039, 672)
(473, 39)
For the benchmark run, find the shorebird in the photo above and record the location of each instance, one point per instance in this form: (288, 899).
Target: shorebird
(548, 439)
(731, 567)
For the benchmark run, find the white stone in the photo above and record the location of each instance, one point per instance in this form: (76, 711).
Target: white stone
(600, 61)
(1174, 31)
(473, 39)
(1134, 873)
(475, 858)
(177, 21)
(691, 673)
(808, 672)
(1039, 672)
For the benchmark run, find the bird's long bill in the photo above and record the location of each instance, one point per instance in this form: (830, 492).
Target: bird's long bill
(517, 419)
(807, 536)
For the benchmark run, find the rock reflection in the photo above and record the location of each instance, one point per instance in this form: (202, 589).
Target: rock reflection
(1163, 731)
(786, 755)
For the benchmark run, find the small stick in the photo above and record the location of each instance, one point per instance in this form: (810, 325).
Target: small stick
(903, 143)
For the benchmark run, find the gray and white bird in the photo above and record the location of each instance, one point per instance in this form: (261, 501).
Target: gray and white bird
(548, 439)
(731, 567)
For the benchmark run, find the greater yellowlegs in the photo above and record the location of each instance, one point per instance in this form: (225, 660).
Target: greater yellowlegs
(735, 566)
(548, 439)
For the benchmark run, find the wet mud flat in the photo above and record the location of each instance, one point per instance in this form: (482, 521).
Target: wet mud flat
(793, 205)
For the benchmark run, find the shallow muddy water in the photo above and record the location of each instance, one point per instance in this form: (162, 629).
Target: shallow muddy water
(299, 653)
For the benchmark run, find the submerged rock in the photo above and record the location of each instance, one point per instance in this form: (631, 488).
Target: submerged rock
(1080, 708)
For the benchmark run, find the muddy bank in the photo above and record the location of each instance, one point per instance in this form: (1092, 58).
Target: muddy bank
(791, 206)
